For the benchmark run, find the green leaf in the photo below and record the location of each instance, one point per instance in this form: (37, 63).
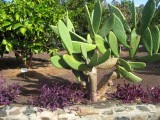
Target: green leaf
(17, 25)
(70, 25)
(107, 26)
(89, 39)
(6, 23)
(147, 15)
(137, 65)
(104, 57)
(58, 62)
(101, 44)
(133, 12)
(119, 31)
(147, 41)
(4, 42)
(84, 52)
(97, 16)
(23, 30)
(113, 43)
(118, 13)
(134, 43)
(77, 46)
(76, 37)
(65, 37)
(94, 60)
(125, 64)
(90, 27)
(55, 29)
(155, 38)
(128, 75)
(74, 64)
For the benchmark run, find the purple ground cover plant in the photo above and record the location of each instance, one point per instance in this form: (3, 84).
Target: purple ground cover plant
(58, 95)
(131, 93)
(8, 93)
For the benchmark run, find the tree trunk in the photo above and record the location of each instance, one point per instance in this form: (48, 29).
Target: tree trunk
(92, 76)
(106, 83)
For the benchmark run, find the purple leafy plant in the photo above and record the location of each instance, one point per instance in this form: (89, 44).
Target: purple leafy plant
(128, 93)
(132, 93)
(8, 93)
(58, 95)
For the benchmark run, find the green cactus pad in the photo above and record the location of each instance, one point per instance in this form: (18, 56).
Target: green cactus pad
(84, 52)
(134, 43)
(128, 75)
(113, 43)
(147, 15)
(133, 12)
(89, 39)
(65, 37)
(119, 14)
(76, 37)
(58, 62)
(77, 46)
(104, 57)
(90, 27)
(70, 24)
(55, 29)
(107, 26)
(74, 64)
(155, 38)
(101, 44)
(125, 64)
(154, 58)
(137, 65)
(97, 16)
(119, 31)
(94, 59)
(147, 41)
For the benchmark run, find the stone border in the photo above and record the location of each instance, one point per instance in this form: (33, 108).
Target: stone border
(100, 111)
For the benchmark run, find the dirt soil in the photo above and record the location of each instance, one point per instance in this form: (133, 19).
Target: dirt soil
(42, 70)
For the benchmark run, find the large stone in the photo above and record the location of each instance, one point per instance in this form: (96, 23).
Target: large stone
(122, 118)
(140, 117)
(109, 112)
(110, 117)
(15, 112)
(143, 108)
(3, 112)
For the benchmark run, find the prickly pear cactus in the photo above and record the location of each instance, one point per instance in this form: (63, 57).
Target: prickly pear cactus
(100, 46)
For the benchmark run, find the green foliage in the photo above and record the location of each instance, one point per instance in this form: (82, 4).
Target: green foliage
(25, 25)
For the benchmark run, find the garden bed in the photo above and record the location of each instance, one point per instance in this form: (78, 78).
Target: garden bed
(42, 70)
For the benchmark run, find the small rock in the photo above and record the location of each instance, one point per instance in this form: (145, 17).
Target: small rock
(119, 109)
(122, 118)
(63, 119)
(87, 111)
(15, 112)
(142, 108)
(45, 118)
(3, 112)
(141, 117)
(29, 110)
(108, 118)
(110, 112)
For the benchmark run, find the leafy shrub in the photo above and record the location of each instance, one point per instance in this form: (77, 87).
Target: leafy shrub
(8, 93)
(132, 93)
(58, 95)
